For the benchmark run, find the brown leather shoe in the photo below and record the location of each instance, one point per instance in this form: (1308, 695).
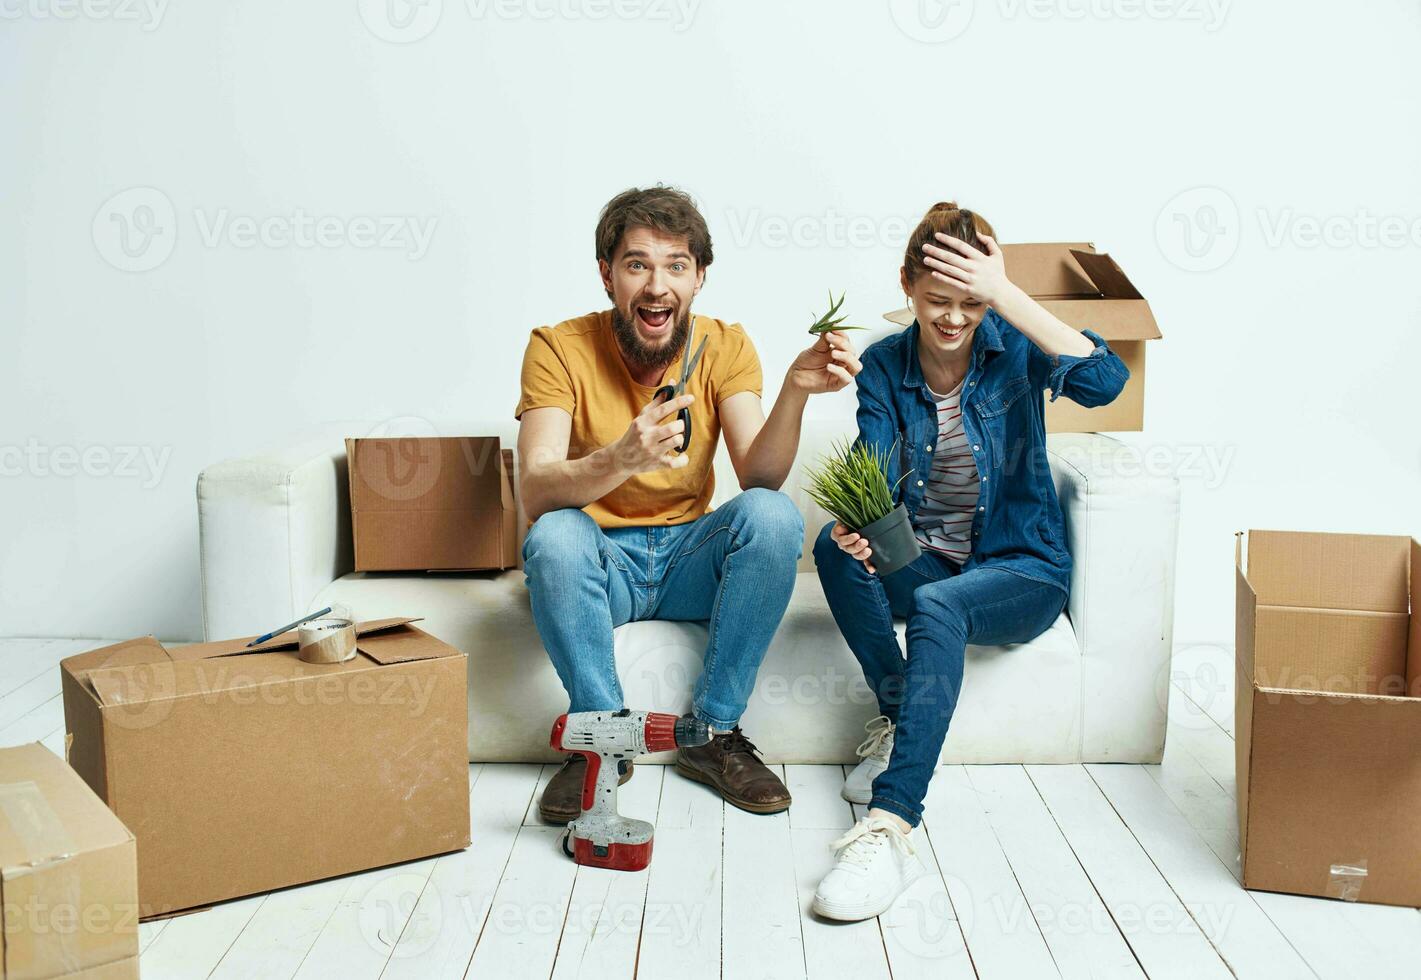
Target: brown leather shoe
(728, 763)
(562, 799)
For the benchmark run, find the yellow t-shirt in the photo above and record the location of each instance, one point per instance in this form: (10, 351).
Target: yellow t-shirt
(576, 366)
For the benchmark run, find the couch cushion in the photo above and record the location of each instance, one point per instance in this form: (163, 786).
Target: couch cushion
(1020, 703)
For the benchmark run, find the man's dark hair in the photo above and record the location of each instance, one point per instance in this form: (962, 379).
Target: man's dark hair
(664, 209)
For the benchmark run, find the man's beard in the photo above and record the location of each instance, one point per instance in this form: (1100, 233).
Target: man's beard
(643, 355)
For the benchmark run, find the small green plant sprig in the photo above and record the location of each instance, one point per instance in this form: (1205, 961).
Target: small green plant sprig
(828, 321)
(852, 483)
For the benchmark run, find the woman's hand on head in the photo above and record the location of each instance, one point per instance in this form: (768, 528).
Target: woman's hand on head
(853, 544)
(981, 275)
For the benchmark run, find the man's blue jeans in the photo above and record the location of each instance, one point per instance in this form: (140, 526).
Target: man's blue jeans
(733, 567)
(946, 609)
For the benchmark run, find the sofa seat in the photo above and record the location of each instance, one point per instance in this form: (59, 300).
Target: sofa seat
(1020, 703)
(276, 543)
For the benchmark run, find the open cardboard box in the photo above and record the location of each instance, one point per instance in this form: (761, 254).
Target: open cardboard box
(1328, 715)
(68, 875)
(242, 770)
(432, 504)
(1085, 289)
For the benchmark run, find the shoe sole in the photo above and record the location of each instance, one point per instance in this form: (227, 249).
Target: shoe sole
(745, 805)
(850, 798)
(847, 914)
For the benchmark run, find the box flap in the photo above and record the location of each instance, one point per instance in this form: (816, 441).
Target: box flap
(144, 649)
(1108, 277)
(1329, 571)
(1082, 287)
(1049, 269)
(383, 641)
(402, 643)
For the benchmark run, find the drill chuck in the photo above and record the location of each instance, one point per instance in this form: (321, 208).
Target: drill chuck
(691, 731)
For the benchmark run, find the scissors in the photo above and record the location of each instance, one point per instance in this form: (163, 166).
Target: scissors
(688, 365)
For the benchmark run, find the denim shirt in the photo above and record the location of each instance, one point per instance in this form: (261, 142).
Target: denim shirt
(1018, 525)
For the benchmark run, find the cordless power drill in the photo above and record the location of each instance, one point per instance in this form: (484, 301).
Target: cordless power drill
(601, 836)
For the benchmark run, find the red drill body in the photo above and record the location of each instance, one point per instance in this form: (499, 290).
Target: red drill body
(609, 740)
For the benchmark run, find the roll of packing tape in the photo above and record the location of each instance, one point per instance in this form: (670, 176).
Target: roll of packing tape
(326, 641)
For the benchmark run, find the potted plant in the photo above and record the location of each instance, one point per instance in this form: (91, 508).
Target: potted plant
(852, 484)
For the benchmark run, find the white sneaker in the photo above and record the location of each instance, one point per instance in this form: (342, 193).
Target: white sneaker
(873, 753)
(876, 863)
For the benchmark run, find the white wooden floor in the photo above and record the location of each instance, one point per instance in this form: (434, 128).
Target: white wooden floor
(1043, 871)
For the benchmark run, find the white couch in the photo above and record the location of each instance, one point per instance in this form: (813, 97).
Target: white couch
(276, 544)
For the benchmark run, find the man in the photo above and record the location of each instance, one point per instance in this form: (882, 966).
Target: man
(621, 528)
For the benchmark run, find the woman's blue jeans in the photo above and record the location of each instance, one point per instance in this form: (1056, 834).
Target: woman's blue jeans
(733, 568)
(946, 609)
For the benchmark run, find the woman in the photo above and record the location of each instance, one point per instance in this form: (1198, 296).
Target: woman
(959, 392)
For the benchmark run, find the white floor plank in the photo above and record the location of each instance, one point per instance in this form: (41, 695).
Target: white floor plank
(1210, 745)
(604, 920)
(23, 661)
(817, 803)
(366, 921)
(1244, 936)
(192, 945)
(517, 906)
(1164, 937)
(37, 724)
(921, 932)
(439, 939)
(1205, 673)
(1084, 939)
(1002, 936)
(520, 935)
(1335, 938)
(681, 935)
(1198, 796)
(832, 949)
(280, 933)
(760, 926)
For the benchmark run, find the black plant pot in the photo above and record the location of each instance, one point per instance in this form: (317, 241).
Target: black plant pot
(892, 541)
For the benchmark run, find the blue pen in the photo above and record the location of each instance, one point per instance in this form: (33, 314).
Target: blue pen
(289, 626)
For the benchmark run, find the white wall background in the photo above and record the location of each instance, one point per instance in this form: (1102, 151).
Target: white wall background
(1289, 363)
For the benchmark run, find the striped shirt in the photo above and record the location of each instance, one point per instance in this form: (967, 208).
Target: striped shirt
(944, 523)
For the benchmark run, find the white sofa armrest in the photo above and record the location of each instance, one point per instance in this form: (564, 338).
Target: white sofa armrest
(273, 530)
(1122, 526)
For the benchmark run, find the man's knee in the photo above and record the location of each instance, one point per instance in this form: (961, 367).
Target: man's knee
(562, 537)
(772, 518)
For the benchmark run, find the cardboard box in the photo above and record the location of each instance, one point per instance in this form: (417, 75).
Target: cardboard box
(432, 504)
(1085, 289)
(240, 771)
(68, 874)
(1328, 715)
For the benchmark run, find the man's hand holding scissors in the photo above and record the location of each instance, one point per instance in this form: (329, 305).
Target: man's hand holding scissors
(648, 444)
